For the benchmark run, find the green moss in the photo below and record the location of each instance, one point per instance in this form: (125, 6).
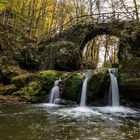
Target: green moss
(97, 87)
(9, 72)
(47, 79)
(129, 80)
(123, 76)
(129, 56)
(32, 92)
(96, 81)
(8, 89)
(61, 55)
(21, 80)
(16, 70)
(73, 86)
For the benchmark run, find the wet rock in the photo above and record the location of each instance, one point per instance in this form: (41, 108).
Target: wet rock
(61, 55)
(97, 90)
(129, 86)
(73, 85)
(31, 93)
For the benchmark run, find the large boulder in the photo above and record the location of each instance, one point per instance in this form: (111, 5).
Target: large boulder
(98, 85)
(61, 55)
(73, 86)
(129, 86)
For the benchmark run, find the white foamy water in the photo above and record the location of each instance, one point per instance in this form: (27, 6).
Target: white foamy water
(72, 123)
(54, 93)
(79, 112)
(120, 109)
(113, 90)
(84, 88)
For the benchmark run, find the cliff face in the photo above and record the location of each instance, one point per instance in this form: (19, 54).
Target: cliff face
(11, 44)
(129, 58)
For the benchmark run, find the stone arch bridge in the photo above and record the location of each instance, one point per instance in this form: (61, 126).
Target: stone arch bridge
(78, 35)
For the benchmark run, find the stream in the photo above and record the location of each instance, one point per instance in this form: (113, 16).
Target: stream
(56, 122)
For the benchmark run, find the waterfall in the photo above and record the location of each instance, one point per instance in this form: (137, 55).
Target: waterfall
(54, 94)
(113, 90)
(84, 88)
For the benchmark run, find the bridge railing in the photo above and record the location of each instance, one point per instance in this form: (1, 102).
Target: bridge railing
(97, 18)
(106, 17)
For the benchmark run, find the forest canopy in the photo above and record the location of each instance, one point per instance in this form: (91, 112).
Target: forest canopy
(36, 17)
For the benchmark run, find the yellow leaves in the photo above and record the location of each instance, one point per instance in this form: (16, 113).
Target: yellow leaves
(42, 15)
(69, 8)
(2, 6)
(52, 2)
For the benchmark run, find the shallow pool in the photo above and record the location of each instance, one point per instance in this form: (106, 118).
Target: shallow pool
(53, 122)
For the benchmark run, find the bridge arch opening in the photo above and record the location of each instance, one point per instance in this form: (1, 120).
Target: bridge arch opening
(102, 50)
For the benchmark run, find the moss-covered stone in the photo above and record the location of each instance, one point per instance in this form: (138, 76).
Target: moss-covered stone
(29, 57)
(129, 50)
(62, 55)
(47, 79)
(11, 41)
(8, 72)
(32, 92)
(22, 80)
(73, 85)
(97, 87)
(38, 90)
(7, 89)
(129, 85)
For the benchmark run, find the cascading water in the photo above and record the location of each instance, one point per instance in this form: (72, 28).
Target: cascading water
(84, 88)
(113, 90)
(54, 94)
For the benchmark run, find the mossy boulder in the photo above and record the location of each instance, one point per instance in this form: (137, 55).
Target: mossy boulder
(22, 80)
(47, 79)
(29, 57)
(129, 86)
(7, 89)
(62, 55)
(8, 72)
(38, 90)
(34, 87)
(97, 87)
(73, 86)
(32, 92)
